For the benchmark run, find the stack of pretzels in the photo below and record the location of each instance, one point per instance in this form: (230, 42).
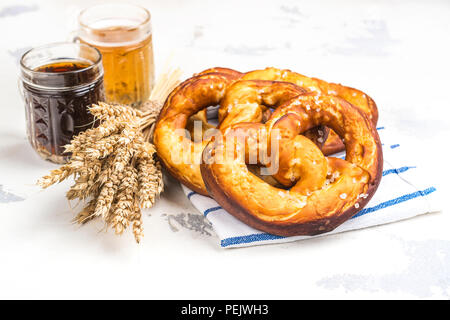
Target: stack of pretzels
(307, 119)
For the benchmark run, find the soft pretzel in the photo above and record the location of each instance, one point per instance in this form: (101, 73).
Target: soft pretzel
(356, 97)
(324, 192)
(240, 102)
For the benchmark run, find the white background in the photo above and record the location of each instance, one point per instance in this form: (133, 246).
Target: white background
(397, 51)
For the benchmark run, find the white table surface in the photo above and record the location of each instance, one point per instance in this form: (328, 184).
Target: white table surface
(397, 51)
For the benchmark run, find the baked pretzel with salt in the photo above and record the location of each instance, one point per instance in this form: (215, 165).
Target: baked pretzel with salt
(319, 193)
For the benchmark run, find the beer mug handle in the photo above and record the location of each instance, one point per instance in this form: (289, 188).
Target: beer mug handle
(20, 87)
(73, 37)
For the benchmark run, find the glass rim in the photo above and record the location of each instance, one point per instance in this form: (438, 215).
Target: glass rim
(140, 24)
(58, 44)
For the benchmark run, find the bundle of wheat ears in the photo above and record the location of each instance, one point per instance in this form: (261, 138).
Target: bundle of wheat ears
(114, 166)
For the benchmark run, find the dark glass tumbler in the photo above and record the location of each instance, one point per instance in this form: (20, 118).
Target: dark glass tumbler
(59, 82)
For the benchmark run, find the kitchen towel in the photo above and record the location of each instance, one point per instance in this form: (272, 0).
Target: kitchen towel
(404, 192)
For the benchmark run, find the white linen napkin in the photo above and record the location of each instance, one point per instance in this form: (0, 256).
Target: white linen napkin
(403, 193)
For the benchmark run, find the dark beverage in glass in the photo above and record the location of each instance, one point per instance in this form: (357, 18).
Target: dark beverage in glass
(59, 82)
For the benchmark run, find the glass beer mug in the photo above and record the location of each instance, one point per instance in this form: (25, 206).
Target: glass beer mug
(123, 35)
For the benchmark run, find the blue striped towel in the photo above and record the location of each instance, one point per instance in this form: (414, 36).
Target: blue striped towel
(402, 194)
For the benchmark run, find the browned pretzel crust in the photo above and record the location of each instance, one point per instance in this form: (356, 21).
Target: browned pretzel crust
(326, 199)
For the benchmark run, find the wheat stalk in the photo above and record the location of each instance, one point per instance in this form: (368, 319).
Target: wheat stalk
(114, 164)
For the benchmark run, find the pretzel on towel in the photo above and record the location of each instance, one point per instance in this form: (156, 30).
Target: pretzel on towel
(324, 192)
